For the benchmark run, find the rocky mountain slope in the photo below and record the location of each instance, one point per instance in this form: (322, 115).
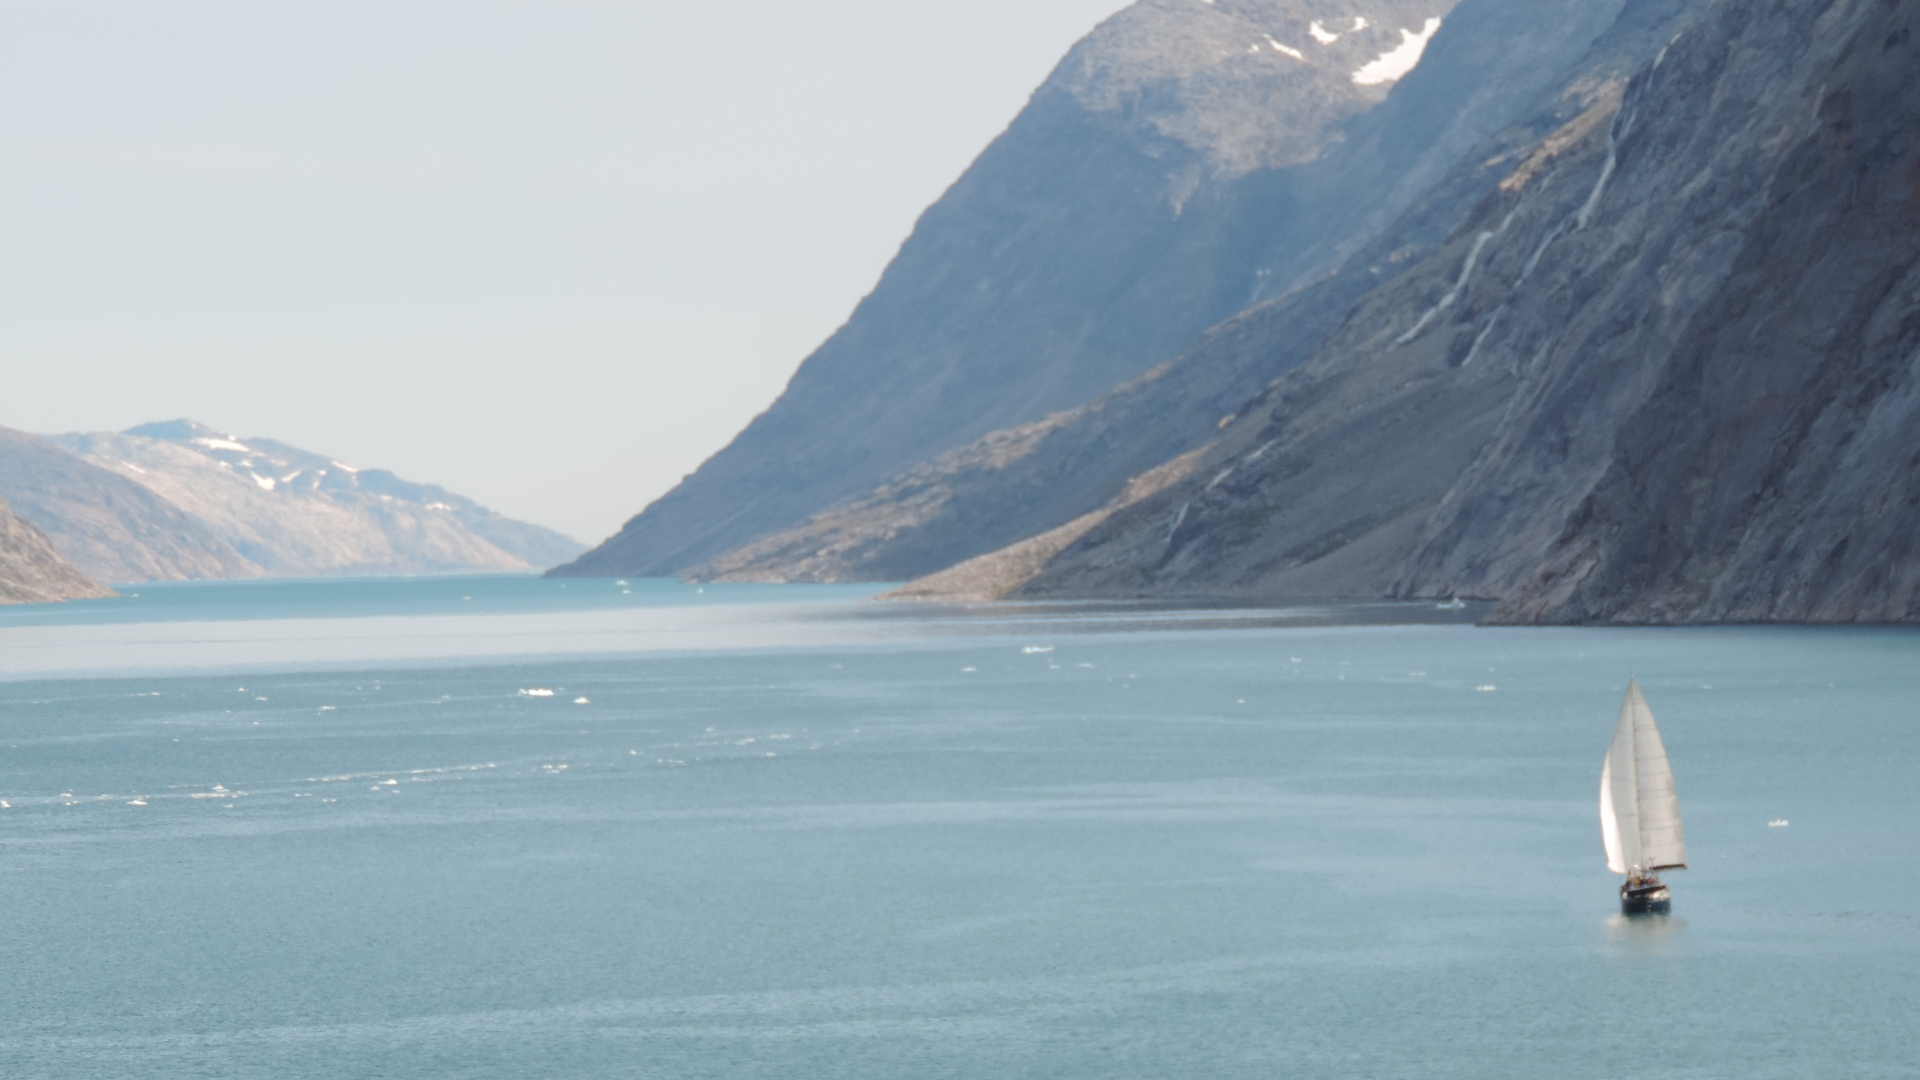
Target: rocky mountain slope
(220, 506)
(1138, 199)
(109, 526)
(1666, 372)
(32, 572)
(1489, 61)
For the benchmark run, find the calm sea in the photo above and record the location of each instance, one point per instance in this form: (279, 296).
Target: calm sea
(494, 827)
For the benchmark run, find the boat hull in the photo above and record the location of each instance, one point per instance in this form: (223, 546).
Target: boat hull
(1650, 899)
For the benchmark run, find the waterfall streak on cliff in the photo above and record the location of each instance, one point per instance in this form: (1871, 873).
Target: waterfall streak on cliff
(1466, 275)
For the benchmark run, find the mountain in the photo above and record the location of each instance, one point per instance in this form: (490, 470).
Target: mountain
(32, 572)
(1664, 372)
(1142, 196)
(232, 507)
(105, 524)
(1017, 483)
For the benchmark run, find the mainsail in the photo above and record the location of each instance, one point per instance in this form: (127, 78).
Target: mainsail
(1639, 813)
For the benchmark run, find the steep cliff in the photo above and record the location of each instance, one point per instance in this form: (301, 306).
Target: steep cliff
(108, 526)
(1771, 472)
(31, 572)
(289, 512)
(1129, 207)
(1666, 372)
(1496, 62)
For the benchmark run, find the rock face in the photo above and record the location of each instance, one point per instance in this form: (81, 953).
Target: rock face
(1135, 202)
(1489, 66)
(1772, 470)
(107, 525)
(262, 507)
(1666, 372)
(32, 572)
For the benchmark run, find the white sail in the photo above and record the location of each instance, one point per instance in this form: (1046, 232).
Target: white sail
(1639, 812)
(1610, 821)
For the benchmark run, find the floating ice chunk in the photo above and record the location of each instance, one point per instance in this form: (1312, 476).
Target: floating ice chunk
(1320, 33)
(537, 691)
(1032, 649)
(582, 701)
(968, 670)
(1777, 823)
(1486, 688)
(1393, 65)
(141, 801)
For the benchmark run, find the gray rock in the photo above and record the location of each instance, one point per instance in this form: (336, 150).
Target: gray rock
(1497, 62)
(1670, 376)
(1128, 208)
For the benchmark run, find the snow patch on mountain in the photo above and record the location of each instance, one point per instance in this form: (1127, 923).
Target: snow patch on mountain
(1393, 65)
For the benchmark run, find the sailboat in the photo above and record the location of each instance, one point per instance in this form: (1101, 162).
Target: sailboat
(1639, 812)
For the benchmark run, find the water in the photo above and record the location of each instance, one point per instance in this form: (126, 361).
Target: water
(794, 834)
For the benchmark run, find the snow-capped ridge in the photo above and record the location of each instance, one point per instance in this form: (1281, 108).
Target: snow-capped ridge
(290, 511)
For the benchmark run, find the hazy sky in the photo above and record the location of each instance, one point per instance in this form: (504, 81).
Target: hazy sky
(550, 254)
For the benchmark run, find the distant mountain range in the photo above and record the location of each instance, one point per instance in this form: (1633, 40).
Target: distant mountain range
(1605, 312)
(180, 500)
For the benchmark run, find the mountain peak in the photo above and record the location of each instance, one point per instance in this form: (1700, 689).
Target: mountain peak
(1249, 84)
(181, 430)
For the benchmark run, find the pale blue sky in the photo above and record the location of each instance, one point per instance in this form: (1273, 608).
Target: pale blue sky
(550, 254)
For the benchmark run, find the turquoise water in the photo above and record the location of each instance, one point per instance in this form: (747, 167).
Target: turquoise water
(791, 835)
